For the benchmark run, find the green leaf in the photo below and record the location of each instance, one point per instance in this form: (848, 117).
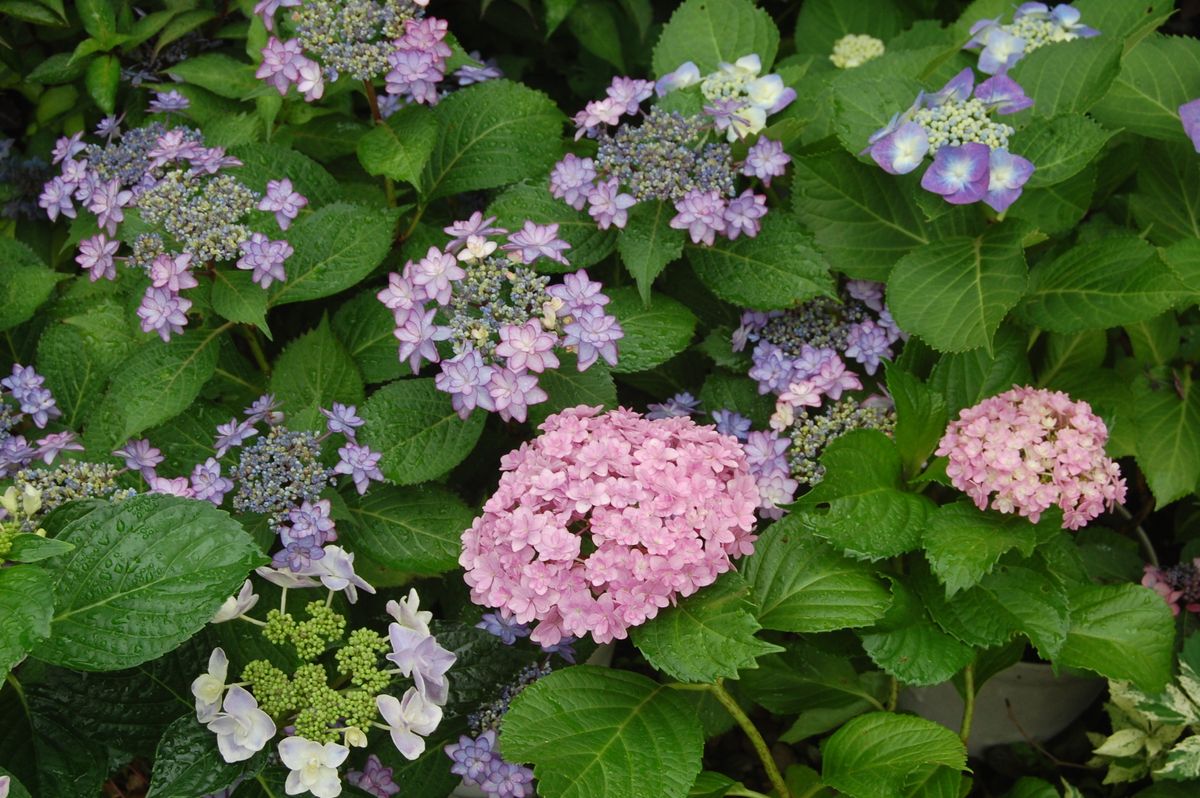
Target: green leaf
(33, 11)
(963, 543)
(266, 162)
(1099, 284)
(27, 547)
(313, 372)
(491, 134)
(103, 78)
(805, 678)
(408, 531)
(335, 248)
(532, 202)
(802, 585)
(955, 292)
(365, 327)
(420, 435)
(1167, 200)
(567, 386)
(26, 606)
(866, 97)
(777, 269)
(873, 755)
(869, 514)
(187, 762)
(1155, 342)
(98, 17)
(711, 785)
(25, 283)
(966, 377)
(221, 74)
(594, 25)
(1167, 425)
(599, 733)
(653, 334)
(146, 574)
(864, 219)
(708, 32)
(58, 68)
(1123, 632)
(238, 298)
(820, 23)
(920, 418)
(1061, 147)
(1057, 209)
(156, 383)
(707, 636)
(722, 390)
(910, 646)
(182, 24)
(1157, 76)
(1069, 77)
(1075, 353)
(649, 243)
(400, 147)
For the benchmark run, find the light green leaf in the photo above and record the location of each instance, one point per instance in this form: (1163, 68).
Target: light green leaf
(533, 202)
(707, 636)
(955, 292)
(28, 547)
(407, 531)
(869, 513)
(187, 762)
(1069, 77)
(1183, 259)
(803, 585)
(365, 327)
(864, 219)
(26, 606)
(1071, 353)
(910, 646)
(567, 386)
(708, 32)
(873, 755)
(103, 78)
(1157, 76)
(920, 418)
(1167, 424)
(420, 435)
(966, 377)
(777, 269)
(146, 574)
(963, 543)
(653, 334)
(1057, 209)
(25, 283)
(221, 74)
(400, 147)
(491, 134)
(265, 162)
(1099, 284)
(649, 243)
(1121, 632)
(99, 18)
(600, 733)
(1167, 200)
(156, 383)
(335, 248)
(1060, 147)
(313, 372)
(182, 24)
(238, 298)
(805, 678)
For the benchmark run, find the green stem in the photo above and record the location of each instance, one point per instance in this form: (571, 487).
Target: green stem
(893, 695)
(263, 783)
(260, 357)
(413, 225)
(756, 739)
(373, 101)
(968, 702)
(745, 792)
(12, 680)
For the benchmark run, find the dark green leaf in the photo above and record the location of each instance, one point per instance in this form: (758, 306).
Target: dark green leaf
(873, 755)
(238, 298)
(1157, 76)
(26, 606)
(187, 762)
(649, 243)
(1069, 77)
(709, 32)
(909, 645)
(653, 334)
(400, 147)
(365, 327)
(311, 373)
(1122, 632)
(406, 531)
(1060, 147)
(567, 386)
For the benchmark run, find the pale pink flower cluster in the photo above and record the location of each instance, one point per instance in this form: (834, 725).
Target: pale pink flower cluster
(1033, 448)
(603, 520)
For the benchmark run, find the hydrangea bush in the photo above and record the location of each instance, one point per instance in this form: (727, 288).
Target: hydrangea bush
(598, 398)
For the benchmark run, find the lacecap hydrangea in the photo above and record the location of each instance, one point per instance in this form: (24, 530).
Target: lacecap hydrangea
(606, 518)
(679, 158)
(1033, 26)
(503, 321)
(1030, 449)
(971, 160)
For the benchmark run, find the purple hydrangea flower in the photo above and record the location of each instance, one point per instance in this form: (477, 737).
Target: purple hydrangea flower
(109, 126)
(298, 553)
(140, 456)
(264, 408)
(401, 295)
(68, 147)
(595, 334)
(311, 83)
(959, 174)
(465, 378)
(283, 201)
(597, 113)
(207, 482)
(417, 336)
(361, 464)
(1001, 50)
(107, 203)
(25, 384)
(702, 214)
(96, 257)
(267, 8)
(578, 293)
(281, 63)
(374, 779)
(234, 433)
(512, 393)
(630, 92)
(473, 757)
(533, 241)
(468, 74)
(172, 487)
(730, 423)
(15, 454)
(210, 160)
(508, 780)
(901, 150)
(1007, 173)
(957, 89)
(571, 180)
(1189, 115)
(766, 160)
(56, 443)
(434, 273)
(174, 145)
(527, 346)
(564, 648)
(507, 628)
(56, 199)
(476, 225)
(681, 404)
(342, 419)
(168, 101)
(687, 74)
(418, 654)
(608, 206)
(312, 518)
(1004, 94)
(742, 214)
(866, 343)
(868, 292)
(163, 312)
(172, 273)
(264, 258)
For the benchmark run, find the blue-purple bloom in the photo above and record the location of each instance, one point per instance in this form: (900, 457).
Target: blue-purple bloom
(25, 384)
(232, 434)
(417, 335)
(360, 463)
(742, 214)
(702, 214)
(476, 225)
(1189, 115)
(312, 519)
(571, 180)
(96, 257)
(595, 334)
(283, 201)
(140, 456)
(608, 206)
(901, 150)
(374, 779)
(507, 628)
(56, 199)
(1034, 25)
(533, 241)
(681, 404)
(469, 73)
(766, 160)
(960, 174)
(1003, 94)
(264, 258)
(465, 377)
(55, 443)
(168, 101)
(207, 482)
(342, 419)
(1007, 173)
(732, 423)
(163, 312)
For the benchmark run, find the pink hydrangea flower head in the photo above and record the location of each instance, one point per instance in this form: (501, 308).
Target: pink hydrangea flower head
(1029, 449)
(606, 518)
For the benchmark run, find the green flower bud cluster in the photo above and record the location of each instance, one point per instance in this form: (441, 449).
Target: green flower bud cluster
(310, 638)
(855, 49)
(359, 658)
(271, 686)
(954, 123)
(8, 532)
(203, 213)
(71, 480)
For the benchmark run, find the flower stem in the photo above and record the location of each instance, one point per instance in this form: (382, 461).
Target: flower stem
(256, 349)
(968, 702)
(373, 101)
(756, 739)
(893, 695)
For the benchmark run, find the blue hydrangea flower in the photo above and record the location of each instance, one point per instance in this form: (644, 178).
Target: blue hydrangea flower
(1189, 115)
(960, 174)
(508, 629)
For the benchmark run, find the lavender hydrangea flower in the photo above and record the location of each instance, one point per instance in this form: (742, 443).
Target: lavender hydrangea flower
(1189, 115)
(207, 482)
(702, 214)
(533, 241)
(686, 74)
(527, 346)
(264, 258)
(54, 444)
(168, 101)
(267, 8)
(472, 757)
(681, 404)
(960, 174)
(901, 150)
(571, 180)
(1004, 94)
(417, 336)
(866, 343)
(361, 464)
(342, 419)
(742, 214)
(434, 273)
(163, 312)
(172, 273)
(67, 147)
(283, 201)
(298, 554)
(476, 225)
(465, 378)
(1007, 173)
(281, 63)
(56, 199)
(729, 422)
(312, 518)
(96, 257)
(608, 206)
(232, 434)
(25, 384)
(374, 779)
(109, 126)
(140, 456)
(468, 74)
(508, 629)
(107, 203)
(512, 393)
(766, 160)
(595, 334)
